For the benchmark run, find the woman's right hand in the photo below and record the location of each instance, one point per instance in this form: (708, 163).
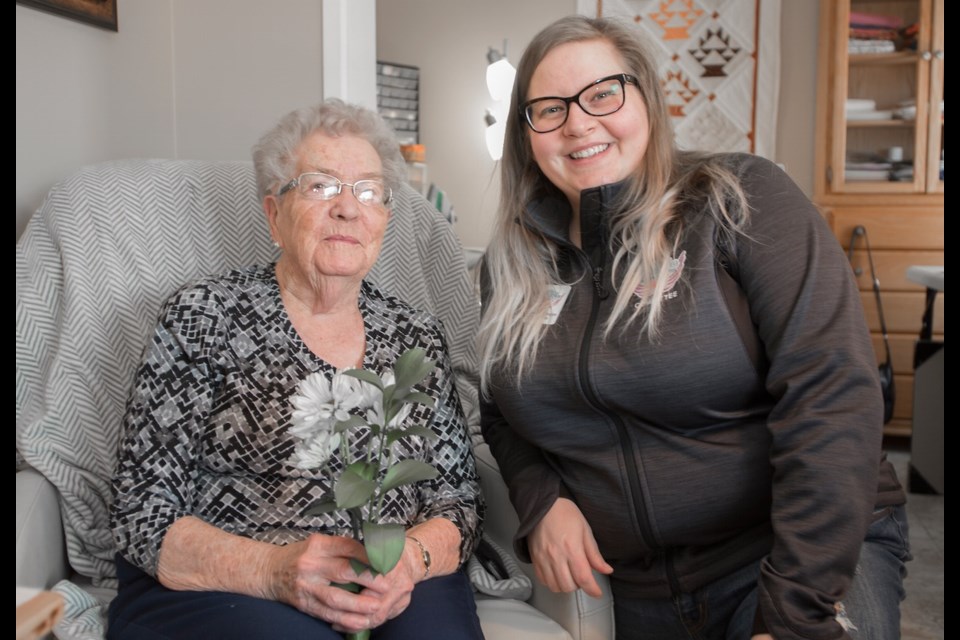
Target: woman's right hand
(304, 575)
(198, 556)
(564, 551)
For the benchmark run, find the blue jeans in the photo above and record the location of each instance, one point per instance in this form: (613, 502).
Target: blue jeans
(725, 609)
(872, 605)
(144, 609)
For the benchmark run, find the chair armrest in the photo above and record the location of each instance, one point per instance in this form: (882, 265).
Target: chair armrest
(585, 618)
(41, 550)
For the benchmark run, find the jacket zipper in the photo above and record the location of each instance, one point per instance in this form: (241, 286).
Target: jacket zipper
(633, 474)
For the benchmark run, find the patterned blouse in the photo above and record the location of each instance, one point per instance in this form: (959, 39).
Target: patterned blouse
(206, 430)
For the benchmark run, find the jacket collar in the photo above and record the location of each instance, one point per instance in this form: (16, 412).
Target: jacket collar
(550, 215)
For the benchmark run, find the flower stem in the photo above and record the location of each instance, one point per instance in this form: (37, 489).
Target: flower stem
(384, 455)
(345, 447)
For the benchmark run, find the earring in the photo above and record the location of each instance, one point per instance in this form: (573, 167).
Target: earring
(276, 244)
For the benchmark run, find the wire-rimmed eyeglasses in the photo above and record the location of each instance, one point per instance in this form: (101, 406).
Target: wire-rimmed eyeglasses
(599, 98)
(323, 186)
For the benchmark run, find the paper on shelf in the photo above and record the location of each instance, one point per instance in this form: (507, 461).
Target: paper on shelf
(870, 115)
(860, 175)
(861, 104)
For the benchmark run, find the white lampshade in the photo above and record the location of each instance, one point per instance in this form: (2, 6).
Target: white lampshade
(500, 76)
(494, 135)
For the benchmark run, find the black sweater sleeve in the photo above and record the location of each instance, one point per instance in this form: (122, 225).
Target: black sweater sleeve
(533, 484)
(826, 425)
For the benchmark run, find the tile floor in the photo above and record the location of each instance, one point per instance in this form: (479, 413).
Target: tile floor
(922, 611)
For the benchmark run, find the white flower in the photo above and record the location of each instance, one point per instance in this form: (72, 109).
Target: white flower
(369, 394)
(319, 404)
(375, 414)
(314, 453)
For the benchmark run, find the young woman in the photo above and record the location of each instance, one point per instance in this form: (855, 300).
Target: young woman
(680, 386)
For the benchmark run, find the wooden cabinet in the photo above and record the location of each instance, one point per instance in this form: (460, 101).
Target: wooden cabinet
(879, 158)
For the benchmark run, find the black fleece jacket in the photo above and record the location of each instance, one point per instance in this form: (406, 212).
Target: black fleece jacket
(716, 445)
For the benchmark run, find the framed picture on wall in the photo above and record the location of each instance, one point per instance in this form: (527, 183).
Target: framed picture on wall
(100, 13)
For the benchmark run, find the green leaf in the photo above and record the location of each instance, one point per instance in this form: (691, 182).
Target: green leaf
(365, 470)
(388, 402)
(415, 430)
(384, 545)
(359, 568)
(366, 376)
(411, 368)
(419, 398)
(349, 423)
(320, 507)
(352, 587)
(408, 472)
(352, 489)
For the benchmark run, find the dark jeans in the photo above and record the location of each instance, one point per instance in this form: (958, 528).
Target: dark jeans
(144, 609)
(725, 609)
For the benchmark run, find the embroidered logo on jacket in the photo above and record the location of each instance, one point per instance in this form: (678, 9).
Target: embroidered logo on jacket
(674, 271)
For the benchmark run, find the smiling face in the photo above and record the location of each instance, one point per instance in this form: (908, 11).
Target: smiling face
(338, 238)
(587, 151)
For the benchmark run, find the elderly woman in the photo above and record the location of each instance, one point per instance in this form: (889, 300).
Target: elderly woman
(209, 511)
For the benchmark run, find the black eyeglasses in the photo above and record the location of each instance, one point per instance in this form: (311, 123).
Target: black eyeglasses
(322, 186)
(600, 98)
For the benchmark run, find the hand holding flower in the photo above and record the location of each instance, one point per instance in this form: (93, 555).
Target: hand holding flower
(304, 575)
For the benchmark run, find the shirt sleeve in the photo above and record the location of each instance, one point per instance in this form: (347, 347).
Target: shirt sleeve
(455, 493)
(170, 400)
(533, 484)
(826, 424)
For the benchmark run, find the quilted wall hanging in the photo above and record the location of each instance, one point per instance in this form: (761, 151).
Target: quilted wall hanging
(720, 66)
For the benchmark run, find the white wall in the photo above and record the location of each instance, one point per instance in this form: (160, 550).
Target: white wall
(240, 65)
(449, 41)
(198, 79)
(796, 120)
(86, 94)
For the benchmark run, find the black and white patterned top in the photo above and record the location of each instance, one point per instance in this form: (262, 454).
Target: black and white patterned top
(206, 424)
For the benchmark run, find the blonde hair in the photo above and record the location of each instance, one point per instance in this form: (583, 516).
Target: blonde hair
(520, 264)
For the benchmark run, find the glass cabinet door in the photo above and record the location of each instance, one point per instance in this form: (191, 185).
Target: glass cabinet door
(884, 80)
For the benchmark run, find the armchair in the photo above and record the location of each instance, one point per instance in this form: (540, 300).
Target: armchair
(108, 245)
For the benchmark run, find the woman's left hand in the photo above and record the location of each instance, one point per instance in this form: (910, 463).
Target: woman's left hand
(393, 589)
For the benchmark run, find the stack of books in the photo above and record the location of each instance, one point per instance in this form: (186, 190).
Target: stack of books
(867, 167)
(873, 33)
(868, 171)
